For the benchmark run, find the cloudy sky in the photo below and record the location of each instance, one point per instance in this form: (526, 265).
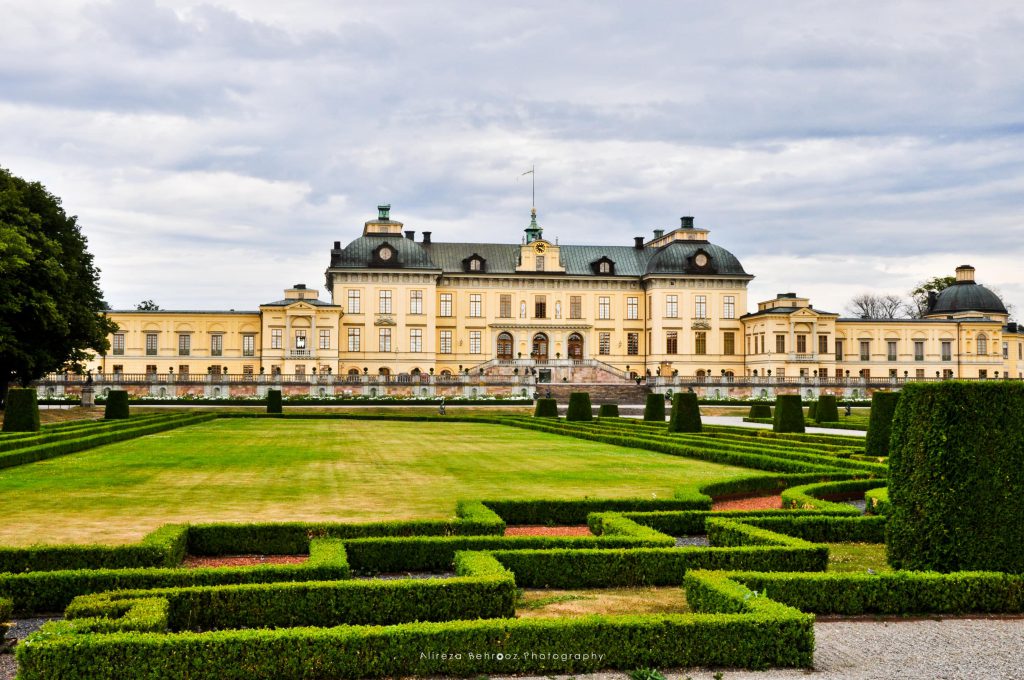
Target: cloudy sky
(214, 150)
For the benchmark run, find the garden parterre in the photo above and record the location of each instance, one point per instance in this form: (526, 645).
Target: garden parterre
(132, 612)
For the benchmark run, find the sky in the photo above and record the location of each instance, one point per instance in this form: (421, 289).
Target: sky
(214, 151)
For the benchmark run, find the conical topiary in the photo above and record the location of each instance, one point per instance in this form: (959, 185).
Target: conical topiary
(760, 411)
(828, 409)
(654, 410)
(812, 410)
(883, 406)
(685, 413)
(546, 408)
(608, 411)
(789, 413)
(274, 401)
(21, 413)
(579, 407)
(117, 405)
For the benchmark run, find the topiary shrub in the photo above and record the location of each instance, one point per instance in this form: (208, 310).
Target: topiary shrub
(608, 411)
(685, 415)
(883, 406)
(117, 405)
(827, 410)
(760, 411)
(546, 408)
(812, 410)
(956, 478)
(579, 407)
(22, 411)
(654, 409)
(274, 404)
(789, 413)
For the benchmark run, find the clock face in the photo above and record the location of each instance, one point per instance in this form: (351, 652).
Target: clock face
(539, 248)
(385, 254)
(701, 260)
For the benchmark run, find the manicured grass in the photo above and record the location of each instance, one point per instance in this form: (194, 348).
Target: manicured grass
(545, 604)
(857, 557)
(350, 470)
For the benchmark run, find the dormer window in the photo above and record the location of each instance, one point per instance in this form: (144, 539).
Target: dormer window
(701, 261)
(604, 266)
(385, 256)
(474, 263)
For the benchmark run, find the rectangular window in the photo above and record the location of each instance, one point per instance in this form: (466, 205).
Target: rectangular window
(474, 342)
(248, 345)
(983, 373)
(671, 342)
(540, 307)
(216, 345)
(947, 350)
(505, 307)
(604, 308)
(415, 340)
(672, 306)
(822, 344)
(446, 305)
(119, 369)
(540, 263)
(729, 307)
(890, 350)
(300, 369)
(632, 308)
(823, 372)
(118, 343)
(415, 301)
(384, 302)
(947, 373)
(604, 343)
(919, 373)
(893, 373)
(839, 349)
(865, 350)
(1006, 350)
(150, 369)
(151, 344)
(276, 338)
(353, 339)
(919, 350)
(183, 371)
(446, 342)
(300, 339)
(780, 343)
(384, 344)
(575, 307)
(700, 342)
(632, 343)
(700, 307)
(325, 338)
(729, 343)
(475, 305)
(354, 302)
(801, 344)
(184, 345)
(247, 371)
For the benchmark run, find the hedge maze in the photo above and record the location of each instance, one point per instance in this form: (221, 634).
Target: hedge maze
(438, 597)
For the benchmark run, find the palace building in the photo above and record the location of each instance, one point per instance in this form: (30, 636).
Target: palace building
(667, 309)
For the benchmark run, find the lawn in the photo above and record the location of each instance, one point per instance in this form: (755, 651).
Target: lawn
(253, 470)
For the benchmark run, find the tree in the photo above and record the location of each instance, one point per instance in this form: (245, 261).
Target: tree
(147, 306)
(919, 295)
(874, 306)
(50, 302)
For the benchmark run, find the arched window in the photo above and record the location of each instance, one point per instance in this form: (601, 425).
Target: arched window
(604, 268)
(575, 346)
(522, 309)
(540, 348)
(505, 346)
(982, 344)
(383, 370)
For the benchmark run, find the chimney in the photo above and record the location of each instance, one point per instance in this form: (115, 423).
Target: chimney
(337, 245)
(426, 237)
(932, 298)
(965, 274)
(384, 212)
(300, 286)
(658, 233)
(638, 242)
(411, 235)
(686, 222)
(1011, 327)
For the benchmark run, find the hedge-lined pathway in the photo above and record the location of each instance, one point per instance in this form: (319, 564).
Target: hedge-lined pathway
(954, 649)
(738, 422)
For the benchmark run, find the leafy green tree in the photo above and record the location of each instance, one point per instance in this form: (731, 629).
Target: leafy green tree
(919, 295)
(51, 307)
(148, 306)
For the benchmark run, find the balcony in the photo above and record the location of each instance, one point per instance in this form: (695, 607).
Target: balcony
(300, 354)
(803, 356)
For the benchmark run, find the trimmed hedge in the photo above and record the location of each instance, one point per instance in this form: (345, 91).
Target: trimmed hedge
(50, 591)
(579, 407)
(164, 547)
(822, 528)
(546, 408)
(608, 411)
(827, 410)
(576, 510)
(274, 401)
(883, 408)
(812, 410)
(691, 522)
(654, 408)
(760, 411)
(808, 496)
(789, 413)
(21, 412)
(685, 413)
(956, 477)
(878, 501)
(117, 405)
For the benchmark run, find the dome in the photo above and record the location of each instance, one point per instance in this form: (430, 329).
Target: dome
(360, 253)
(967, 296)
(695, 258)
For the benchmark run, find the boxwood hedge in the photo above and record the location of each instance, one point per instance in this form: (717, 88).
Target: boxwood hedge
(546, 408)
(883, 408)
(117, 405)
(654, 408)
(789, 413)
(21, 412)
(579, 407)
(685, 415)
